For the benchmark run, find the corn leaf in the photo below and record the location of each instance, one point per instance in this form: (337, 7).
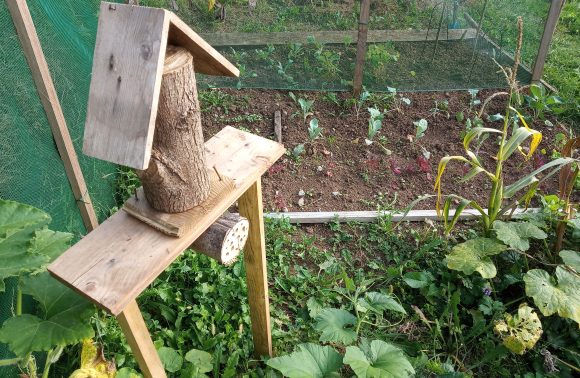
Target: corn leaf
(557, 164)
(515, 142)
(475, 133)
(440, 169)
(536, 135)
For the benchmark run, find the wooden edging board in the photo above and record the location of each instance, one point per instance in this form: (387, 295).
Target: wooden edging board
(371, 216)
(335, 36)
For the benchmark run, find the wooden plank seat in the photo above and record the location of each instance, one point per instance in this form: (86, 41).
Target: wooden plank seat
(114, 263)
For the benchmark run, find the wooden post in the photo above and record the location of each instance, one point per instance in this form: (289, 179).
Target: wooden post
(549, 28)
(177, 179)
(250, 206)
(361, 47)
(47, 93)
(133, 325)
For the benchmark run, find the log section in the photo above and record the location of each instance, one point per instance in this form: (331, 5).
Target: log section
(177, 179)
(224, 240)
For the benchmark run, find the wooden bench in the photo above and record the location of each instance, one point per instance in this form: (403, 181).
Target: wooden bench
(114, 263)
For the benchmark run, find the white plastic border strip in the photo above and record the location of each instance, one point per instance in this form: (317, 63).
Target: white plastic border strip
(371, 216)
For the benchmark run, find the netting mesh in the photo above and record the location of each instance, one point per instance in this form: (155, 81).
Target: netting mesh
(413, 45)
(31, 170)
(431, 45)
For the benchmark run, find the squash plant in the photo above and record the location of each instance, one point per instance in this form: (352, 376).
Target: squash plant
(27, 246)
(376, 358)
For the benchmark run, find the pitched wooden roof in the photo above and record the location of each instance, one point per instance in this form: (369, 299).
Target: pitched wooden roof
(126, 78)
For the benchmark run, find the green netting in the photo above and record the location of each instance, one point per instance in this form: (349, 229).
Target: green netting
(405, 58)
(31, 170)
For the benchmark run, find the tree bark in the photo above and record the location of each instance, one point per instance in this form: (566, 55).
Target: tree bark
(224, 240)
(177, 179)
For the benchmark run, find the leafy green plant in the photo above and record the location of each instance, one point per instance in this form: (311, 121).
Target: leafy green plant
(298, 150)
(339, 326)
(441, 107)
(358, 102)
(27, 246)
(314, 130)
(305, 106)
(379, 55)
(375, 124)
(420, 128)
(540, 102)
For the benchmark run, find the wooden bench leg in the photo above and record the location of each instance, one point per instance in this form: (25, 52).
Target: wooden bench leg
(250, 206)
(137, 335)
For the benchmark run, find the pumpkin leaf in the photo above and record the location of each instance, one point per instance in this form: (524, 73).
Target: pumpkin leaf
(309, 361)
(474, 256)
(334, 324)
(202, 362)
(520, 332)
(15, 217)
(170, 359)
(24, 246)
(517, 234)
(380, 360)
(63, 318)
(555, 295)
(379, 302)
(571, 258)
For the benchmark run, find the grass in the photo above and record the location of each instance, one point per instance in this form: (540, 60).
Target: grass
(562, 68)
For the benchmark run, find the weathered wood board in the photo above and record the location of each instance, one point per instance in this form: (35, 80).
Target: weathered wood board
(126, 79)
(176, 224)
(49, 98)
(333, 37)
(113, 264)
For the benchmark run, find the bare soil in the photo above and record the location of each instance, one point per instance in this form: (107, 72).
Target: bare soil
(339, 172)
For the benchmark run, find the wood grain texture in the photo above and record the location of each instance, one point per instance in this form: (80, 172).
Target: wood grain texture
(176, 179)
(278, 126)
(224, 240)
(361, 47)
(549, 29)
(332, 37)
(205, 58)
(124, 90)
(113, 264)
(250, 205)
(135, 330)
(47, 93)
(176, 224)
(127, 69)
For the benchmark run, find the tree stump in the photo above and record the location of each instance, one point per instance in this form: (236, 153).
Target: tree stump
(177, 179)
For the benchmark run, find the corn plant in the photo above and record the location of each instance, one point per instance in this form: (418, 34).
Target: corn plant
(501, 197)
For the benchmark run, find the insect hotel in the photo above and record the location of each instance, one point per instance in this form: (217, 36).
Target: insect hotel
(143, 112)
